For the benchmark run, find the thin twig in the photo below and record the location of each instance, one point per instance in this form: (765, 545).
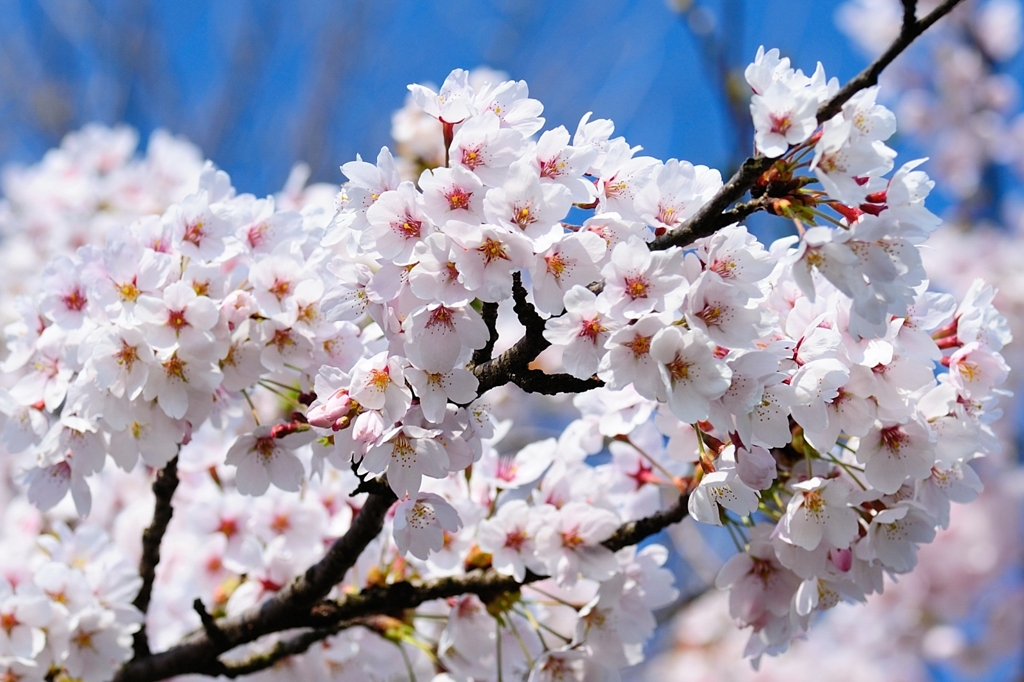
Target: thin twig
(289, 608)
(163, 488)
(869, 76)
(514, 363)
(708, 219)
(209, 623)
(487, 584)
(633, 532)
(280, 651)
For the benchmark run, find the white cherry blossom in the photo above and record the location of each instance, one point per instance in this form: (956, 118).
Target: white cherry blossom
(421, 522)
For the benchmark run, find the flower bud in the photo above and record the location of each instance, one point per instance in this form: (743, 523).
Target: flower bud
(325, 415)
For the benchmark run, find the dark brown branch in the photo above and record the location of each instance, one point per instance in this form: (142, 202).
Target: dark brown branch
(487, 584)
(163, 488)
(289, 608)
(909, 15)
(633, 532)
(513, 366)
(709, 219)
(537, 381)
(329, 571)
(489, 312)
(527, 314)
(869, 76)
(397, 597)
(514, 363)
(742, 210)
(377, 485)
(198, 654)
(280, 651)
(504, 368)
(209, 623)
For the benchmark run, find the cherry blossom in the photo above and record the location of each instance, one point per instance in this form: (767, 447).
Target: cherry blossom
(583, 331)
(313, 374)
(262, 460)
(420, 524)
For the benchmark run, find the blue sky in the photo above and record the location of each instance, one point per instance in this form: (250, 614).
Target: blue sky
(259, 85)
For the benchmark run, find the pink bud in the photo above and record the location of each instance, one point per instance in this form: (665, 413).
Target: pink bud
(841, 558)
(849, 212)
(368, 426)
(287, 429)
(331, 410)
(237, 306)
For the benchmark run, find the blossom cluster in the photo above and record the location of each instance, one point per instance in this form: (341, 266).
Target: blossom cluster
(72, 611)
(954, 95)
(140, 351)
(290, 351)
(922, 626)
(91, 183)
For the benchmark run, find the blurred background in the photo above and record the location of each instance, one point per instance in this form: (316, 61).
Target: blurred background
(263, 84)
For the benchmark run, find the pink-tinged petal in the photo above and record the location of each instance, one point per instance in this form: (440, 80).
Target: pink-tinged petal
(48, 485)
(285, 470)
(733, 570)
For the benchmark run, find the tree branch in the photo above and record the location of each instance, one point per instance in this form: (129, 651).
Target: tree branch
(209, 623)
(527, 314)
(537, 381)
(909, 14)
(163, 488)
(504, 368)
(394, 598)
(708, 219)
(198, 654)
(869, 76)
(487, 584)
(289, 608)
(329, 571)
(489, 312)
(633, 532)
(280, 651)
(513, 366)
